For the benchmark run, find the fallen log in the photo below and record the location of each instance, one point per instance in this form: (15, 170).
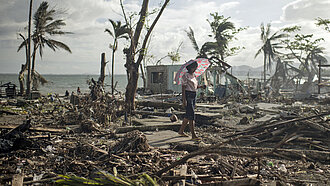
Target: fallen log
(244, 181)
(259, 128)
(215, 147)
(38, 129)
(317, 126)
(18, 129)
(175, 127)
(8, 112)
(159, 104)
(292, 154)
(196, 153)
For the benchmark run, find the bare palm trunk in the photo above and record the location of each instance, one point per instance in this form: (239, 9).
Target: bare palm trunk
(28, 82)
(143, 76)
(21, 79)
(33, 77)
(23, 68)
(113, 66)
(102, 71)
(265, 57)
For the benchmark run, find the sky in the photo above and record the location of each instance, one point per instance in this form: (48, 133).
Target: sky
(87, 20)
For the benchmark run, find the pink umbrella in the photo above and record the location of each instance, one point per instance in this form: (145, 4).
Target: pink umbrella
(203, 64)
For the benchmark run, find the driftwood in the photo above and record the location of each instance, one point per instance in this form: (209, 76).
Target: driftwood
(37, 129)
(260, 128)
(18, 129)
(213, 148)
(245, 181)
(196, 153)
(290, 154)
(317, 126)
(159, 104)
(8, 112)
(175, 127)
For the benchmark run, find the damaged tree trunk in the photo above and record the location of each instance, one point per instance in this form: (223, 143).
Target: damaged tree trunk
(21, 79)
(23, 68)
(132, 67)
(102, 73)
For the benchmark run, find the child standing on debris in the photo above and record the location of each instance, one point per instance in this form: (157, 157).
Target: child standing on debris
(189, 88)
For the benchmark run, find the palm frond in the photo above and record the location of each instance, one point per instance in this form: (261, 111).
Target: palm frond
(191, 36)
(22, 45)
(61, 45)
(109, 31)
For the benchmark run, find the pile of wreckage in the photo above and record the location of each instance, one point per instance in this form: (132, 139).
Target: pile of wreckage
(94, 140)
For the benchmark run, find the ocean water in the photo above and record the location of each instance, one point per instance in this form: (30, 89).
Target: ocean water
(60, 83)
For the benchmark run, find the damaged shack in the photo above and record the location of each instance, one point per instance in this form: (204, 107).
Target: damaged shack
(160, 78)
(220, 82)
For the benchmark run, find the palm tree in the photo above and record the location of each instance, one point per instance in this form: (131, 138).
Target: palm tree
(119, 31)
(223, 32)
(28, 56)
(44, 26)
(269, 47)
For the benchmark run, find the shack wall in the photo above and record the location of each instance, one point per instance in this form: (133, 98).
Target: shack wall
(157, 78)
(167, 73)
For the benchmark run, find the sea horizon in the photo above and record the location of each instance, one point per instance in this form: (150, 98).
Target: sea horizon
(60, 83)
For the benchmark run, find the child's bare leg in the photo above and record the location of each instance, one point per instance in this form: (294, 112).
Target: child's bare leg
(183, 126)
(192, 129)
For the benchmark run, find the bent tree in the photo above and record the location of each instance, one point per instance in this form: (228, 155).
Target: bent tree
(132, 64)
(269, 46)
(45, 25)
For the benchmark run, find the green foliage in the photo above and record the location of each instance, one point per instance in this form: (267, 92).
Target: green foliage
(46, 25)
(107, 179)
(292, 29)
(191, 36)
(175, 55)
(308, 52)
(304, 42)
(118, 32)
(270, 45)
(323, 22)
(223, 31)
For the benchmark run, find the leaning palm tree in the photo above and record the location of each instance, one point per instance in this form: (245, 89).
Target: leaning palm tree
(269, 47)
(119, 31)
(223, 32)
(28, 56)
(191, 35)
(222, 37)
(45, 25)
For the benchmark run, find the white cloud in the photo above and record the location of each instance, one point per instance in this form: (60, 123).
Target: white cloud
(303, 10)
(87, 19)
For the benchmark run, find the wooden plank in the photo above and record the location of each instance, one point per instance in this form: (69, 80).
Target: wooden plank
(39, 129)
(245, 181)
(295, 154)
(175, 127)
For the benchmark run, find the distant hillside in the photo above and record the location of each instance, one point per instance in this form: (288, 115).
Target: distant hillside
(243, 70)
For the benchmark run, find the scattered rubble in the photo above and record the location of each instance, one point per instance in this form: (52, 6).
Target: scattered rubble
(271, 141)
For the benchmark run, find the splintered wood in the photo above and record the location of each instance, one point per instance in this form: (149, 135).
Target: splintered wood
(291, 146)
